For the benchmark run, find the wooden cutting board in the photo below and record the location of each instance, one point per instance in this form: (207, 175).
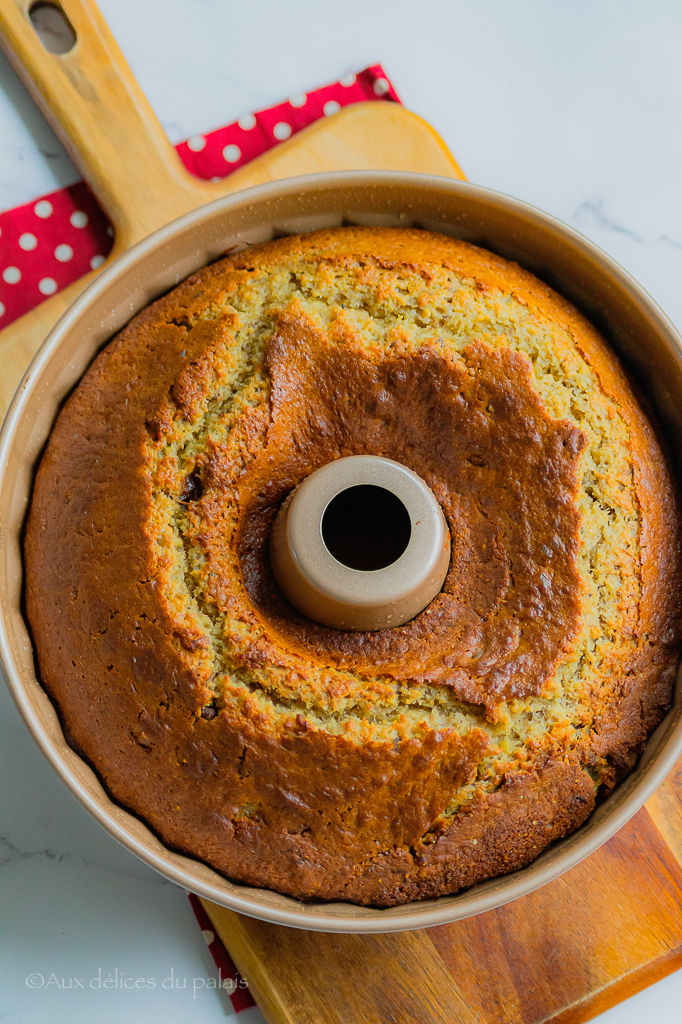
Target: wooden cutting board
(563, 954)
(93, 102)
(604, 930)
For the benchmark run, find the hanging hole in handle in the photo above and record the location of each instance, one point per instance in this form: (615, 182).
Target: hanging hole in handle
(54, 29)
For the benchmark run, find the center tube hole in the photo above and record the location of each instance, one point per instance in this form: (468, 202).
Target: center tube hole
(366, 528)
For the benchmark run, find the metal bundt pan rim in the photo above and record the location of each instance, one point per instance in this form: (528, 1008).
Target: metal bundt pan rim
(632, 321)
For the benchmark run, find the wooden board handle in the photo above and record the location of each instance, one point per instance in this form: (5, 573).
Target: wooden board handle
(92, 100)
(365, 135)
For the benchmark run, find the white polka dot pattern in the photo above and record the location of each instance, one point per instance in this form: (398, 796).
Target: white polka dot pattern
(229, 978)
(63, 253)
(55, 239)
(47, 285)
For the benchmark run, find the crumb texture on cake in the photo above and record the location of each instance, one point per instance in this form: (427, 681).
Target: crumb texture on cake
(371, 767)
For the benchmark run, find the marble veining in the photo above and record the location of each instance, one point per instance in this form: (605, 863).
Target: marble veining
(573, 108)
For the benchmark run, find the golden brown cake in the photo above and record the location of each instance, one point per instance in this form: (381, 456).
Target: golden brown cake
(372, 767)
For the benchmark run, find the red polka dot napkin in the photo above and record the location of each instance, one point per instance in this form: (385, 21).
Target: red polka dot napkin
(228, 977)
(51, 242)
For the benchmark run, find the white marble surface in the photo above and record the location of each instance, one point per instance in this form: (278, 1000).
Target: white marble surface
(573, 107)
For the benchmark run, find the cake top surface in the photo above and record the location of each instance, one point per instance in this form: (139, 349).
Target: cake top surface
(538, 669)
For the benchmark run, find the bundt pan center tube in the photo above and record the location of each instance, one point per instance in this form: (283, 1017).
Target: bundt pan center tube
(361, 544)
(632, 324)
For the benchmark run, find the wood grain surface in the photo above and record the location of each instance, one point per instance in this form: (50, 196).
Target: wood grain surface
(596, 935)
(91, 98)
(563, 954)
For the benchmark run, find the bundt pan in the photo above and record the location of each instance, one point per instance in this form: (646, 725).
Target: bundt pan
(646, 341)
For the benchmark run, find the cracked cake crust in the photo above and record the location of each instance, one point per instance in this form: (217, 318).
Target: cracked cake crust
(380, 767)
